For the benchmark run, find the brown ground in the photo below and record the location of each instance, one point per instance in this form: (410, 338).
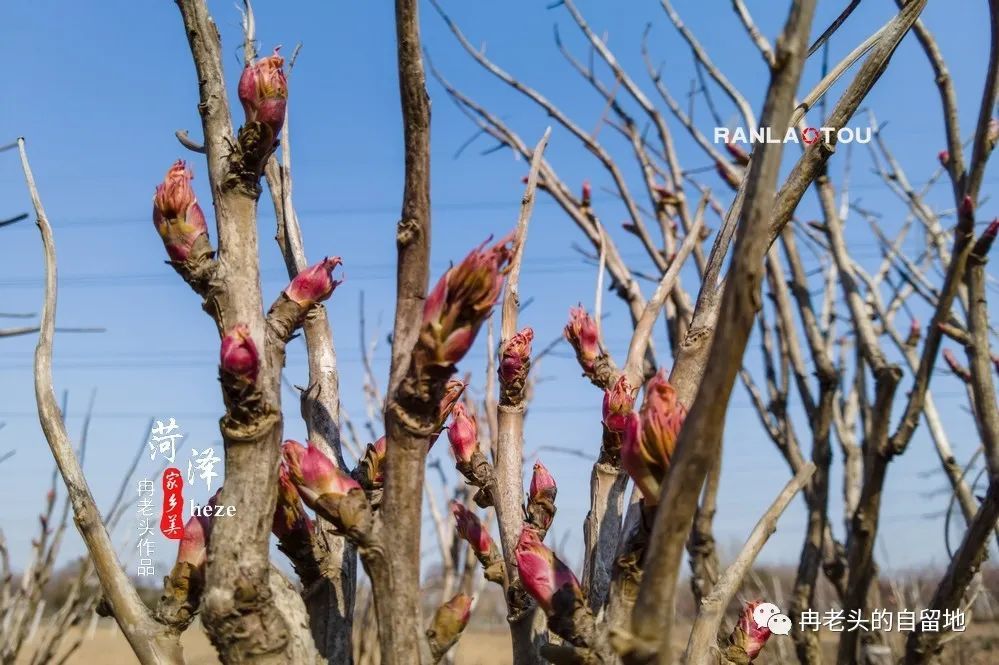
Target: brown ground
(979, 646)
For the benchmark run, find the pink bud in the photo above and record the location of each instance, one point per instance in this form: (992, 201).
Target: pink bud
(662, 417)
(582, 334)
(289, 516)
(460, 607)
(618, 403)
(470, 529)
(313, 474)
(463, 433)
(193, 547)
(541, 572)
(967, 207)
(542, 483)
(635, 463)
(263, 91)
(515, 357)
(315, 283)
(747, 634)
(992, 229)
(239, 356)
(461, 300)
(944, 158)
(176, 214)
(587, 196)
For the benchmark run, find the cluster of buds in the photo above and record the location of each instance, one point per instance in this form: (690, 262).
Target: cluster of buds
(294, 529)
(514, 365)
(179, 219)
(583, 335)
(463, 435)
(618, 418)
(327, 489)
(747, 639)
(540, 511)
(470, 529)
(646, 451)
(309, 287)
(263, 92)
(452, 315)
(449, 622)
(555, 588)
(183, 586)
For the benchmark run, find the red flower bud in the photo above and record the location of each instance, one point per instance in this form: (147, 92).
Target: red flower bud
(542, 484)
(587, 195)
(463, 433)
(967, 207)
(461, 300)
(747, 634)
(470, 529)
(618, 403)
(315, 283)
(515, 358)
(313, 474)
(542, 573)
(239, 354)
(647, 444)
(944, 157)
(289, 516)
(193, 547)
(176, 214)
(582, 334)
(263, 91)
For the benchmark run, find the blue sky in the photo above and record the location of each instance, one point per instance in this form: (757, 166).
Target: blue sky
(98, 89)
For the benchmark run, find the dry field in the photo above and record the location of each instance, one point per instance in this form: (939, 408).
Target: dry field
(979, 646)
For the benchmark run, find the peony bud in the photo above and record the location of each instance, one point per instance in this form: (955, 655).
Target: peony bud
(662, 417)
(581, 332)
(944, 157)
(313, 474)
(176, 214)
(748, 636)
(915, 332)
(967, 207)
(634, 461)
(289, 515)
(452, 393)
(463, 433)
(470, 529)
(263, 91)
(459, 303)
(542, 484)
(542, 573)
(515, 358)
(587, 196)
(618, 403)
(315, 283)
(193, 547)
(449, 621)
(239, 355)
